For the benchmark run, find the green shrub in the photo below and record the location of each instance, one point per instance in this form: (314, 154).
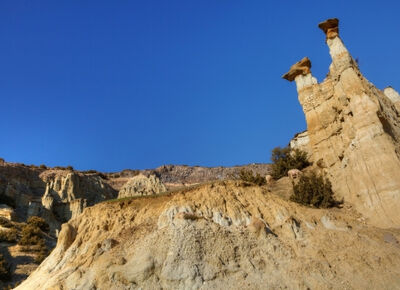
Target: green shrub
(42, 166)
(284, 159)
(38, 222)
(249, 176)
(9, 236)
(314, 190)
(4, 269)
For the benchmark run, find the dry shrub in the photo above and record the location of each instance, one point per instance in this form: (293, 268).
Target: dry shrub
(314, 190)
(38, 222)
(284, 159)
(9, 236)
(31, 235)
(42, 252)
(249, 176)
(5, 223)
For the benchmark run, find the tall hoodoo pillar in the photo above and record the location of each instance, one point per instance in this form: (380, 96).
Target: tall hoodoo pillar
(300, 72)
(341, 58)
(354, 132)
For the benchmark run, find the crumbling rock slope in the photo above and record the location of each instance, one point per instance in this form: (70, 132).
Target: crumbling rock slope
(176, 176)
(353, 132)
(140, 185)
(54, 194)
(224, 235)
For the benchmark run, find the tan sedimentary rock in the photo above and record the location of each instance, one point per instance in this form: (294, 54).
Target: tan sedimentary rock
(394, 96)
(269, 179)
(294, 173)
(302, 248)
(142, 185)
(303, 67)
(330, 27)
(256, 226)
(301, 141)
(354, 134)
(7, 212)
(68, 193)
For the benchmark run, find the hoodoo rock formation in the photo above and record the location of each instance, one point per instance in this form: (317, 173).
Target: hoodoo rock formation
(354, 132)
(237, 235)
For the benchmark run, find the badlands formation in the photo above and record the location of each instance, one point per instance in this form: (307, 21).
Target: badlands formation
(353, 132)
(61, 193)
(231, 234)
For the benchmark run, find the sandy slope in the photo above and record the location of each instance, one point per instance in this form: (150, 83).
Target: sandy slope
(218, 243)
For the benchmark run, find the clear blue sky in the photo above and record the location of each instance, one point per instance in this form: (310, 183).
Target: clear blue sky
(110, 85)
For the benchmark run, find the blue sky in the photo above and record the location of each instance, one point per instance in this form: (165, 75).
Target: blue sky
(109, 85)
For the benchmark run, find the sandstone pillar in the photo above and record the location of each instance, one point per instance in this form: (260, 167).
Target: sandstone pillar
(354, 132)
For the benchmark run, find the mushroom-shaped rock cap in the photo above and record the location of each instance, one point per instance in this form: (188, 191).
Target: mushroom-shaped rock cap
(299, 68)
(330, 27)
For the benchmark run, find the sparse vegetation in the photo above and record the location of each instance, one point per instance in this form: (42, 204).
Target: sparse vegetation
(42, 252)
(32, 236)
(42, 166)
(90, 171)
(249, 176)
(9, 235)
(314, 190)
(5, 223)
(284, 159)
(38, 222)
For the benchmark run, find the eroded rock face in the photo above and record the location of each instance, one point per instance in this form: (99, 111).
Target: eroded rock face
(68, 193)
(56, 195)
(354, 134)
(141, 185)
(301, 141)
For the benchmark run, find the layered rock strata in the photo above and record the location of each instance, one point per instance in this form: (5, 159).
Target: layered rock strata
(354, 132)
